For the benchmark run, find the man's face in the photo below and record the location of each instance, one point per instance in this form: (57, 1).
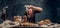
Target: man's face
(30, 11)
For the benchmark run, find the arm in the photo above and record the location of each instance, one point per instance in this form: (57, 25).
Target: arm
(39, 9)
(25, 18)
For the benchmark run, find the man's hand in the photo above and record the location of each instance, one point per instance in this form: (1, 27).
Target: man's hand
(30, 6)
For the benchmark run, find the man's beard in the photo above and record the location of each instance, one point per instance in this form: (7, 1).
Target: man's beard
(29, 16)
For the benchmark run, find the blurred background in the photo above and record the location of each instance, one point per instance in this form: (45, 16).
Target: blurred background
(51, 9)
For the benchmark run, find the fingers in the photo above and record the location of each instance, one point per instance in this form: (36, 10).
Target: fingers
(31, 6)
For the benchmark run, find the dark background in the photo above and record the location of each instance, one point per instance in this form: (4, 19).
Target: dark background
(51, 8)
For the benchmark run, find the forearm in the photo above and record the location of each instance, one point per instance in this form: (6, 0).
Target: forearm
(38, 9)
